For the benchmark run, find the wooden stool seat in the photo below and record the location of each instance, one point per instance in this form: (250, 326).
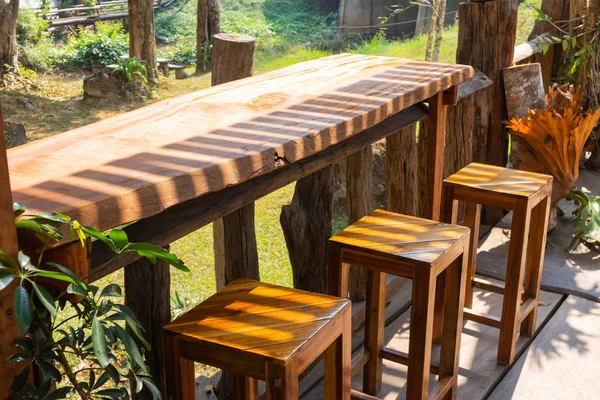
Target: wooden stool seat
(528, 195)
(415, 248)
(261, 331)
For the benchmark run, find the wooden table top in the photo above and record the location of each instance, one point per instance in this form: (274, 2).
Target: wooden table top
(137, 164)
(272, 321)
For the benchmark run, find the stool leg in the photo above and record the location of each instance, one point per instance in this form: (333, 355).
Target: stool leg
(514, 283)
(456, 277)
(374, 330)
(180, 374)
(245, 388)
(535, 261)
(472, 221)
(421, 329)
(282, 382)
(338, 362)
(450, 216)
(337, 273)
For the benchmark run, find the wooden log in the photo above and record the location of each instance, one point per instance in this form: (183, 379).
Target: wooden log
(9, 245)
(236, 255)
(180, 220)
(402, 172)
(307, 227)
(232, 57)
(147, 294)
(359, 170)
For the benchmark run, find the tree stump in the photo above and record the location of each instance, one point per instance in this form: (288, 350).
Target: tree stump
(359, 168)
(147, 293)
(232, 57)
(307, 227)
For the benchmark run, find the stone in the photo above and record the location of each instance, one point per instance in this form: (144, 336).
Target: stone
(14, 134)
(27, 103)
(101, 85)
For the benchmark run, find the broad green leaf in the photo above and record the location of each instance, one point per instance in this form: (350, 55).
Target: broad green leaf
(565, 45)
(25, 261)
(19, 357)
(23, 309)
(111, 290)
(99, 342)
(45, 298)
(113, 372)
(49, 372)
(6, 278)
(51, 217)
(76, 290)
(132, 349)
(152, 388)
(100, 236)
(101, 381)
(20, 380)
(18, 209)
(119, 238)
(111, 393)
(132, 323)
(60, 393)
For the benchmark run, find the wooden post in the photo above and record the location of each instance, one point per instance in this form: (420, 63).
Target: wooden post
(486, 41)
(359, 167)
(306, 224)
(147, 293)
(9, 245)
(236, 255)
(402, 172)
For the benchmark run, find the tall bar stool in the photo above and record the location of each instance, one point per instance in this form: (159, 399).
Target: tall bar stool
(415, 248)
(261, 331)
(528, 195)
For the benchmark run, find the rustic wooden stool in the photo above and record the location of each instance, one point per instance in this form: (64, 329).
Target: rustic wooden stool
(415, 248)
(528, 195)
(261, 331)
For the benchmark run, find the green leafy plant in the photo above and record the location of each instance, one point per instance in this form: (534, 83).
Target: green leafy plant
(92, 49)
(587, 219)
(185, 53)
(92, 352)
(30, 27)
(132, 70)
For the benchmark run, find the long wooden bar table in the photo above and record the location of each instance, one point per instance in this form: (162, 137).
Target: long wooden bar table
(136, 165)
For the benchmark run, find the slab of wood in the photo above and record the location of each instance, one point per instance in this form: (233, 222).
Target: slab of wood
(562, 361)
(137, 164)
(479, 372)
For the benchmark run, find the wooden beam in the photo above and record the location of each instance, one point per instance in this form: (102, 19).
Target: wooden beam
(9, 245)
(180, 220)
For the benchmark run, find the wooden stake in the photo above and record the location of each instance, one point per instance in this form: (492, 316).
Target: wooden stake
(9, 245)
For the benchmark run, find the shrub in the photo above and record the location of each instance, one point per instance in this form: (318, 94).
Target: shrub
(132, 70)
(185, 53)
(177, 22)
(41, 56)
(103, 47)
(30, 27)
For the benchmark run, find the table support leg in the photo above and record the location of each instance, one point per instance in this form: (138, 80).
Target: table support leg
(436, 131)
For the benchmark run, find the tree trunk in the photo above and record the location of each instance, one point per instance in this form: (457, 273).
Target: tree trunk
(306, 224)
(9, 10)
(142, 43)
(431, 31)
(439, 29)
(209, 24)
(359, 170)
(147, 294)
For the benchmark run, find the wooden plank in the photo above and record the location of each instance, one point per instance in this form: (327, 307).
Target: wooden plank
(138, 164)
(185, 218)
(562, 361)
(478, 372)
(9, 245)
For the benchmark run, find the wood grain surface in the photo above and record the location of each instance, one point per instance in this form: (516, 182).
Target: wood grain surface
(137, 164)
